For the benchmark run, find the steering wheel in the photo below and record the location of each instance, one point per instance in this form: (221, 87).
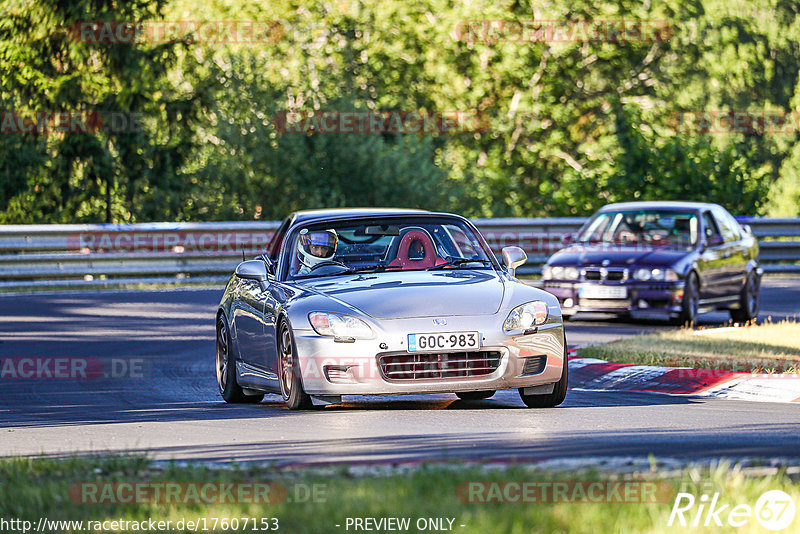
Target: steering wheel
(328, 263)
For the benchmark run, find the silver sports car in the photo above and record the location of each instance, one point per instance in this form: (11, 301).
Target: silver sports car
(386, 302)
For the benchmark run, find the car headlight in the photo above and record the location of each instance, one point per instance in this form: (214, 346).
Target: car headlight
(339, 325)
(525, 316)
(656, 275)
(557, 272)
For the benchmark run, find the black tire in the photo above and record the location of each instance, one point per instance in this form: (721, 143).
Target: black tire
(474, 395)
(749, 301)
(289, 370)
(226, 368)
(690, 302)
(550, 400)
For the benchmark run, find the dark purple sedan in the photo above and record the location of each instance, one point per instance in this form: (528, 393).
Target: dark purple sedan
(669, 260)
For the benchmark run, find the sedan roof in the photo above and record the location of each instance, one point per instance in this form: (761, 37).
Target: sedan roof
(658, 204)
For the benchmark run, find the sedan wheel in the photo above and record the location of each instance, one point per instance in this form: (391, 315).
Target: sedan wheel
(226, 368)
(691, 301)
(748, 301)
(289, 371)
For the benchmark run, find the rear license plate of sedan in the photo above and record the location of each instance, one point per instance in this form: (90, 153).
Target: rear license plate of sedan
(444, 341)
(602, 292)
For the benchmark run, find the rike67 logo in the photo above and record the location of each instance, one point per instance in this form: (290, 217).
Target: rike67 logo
(774, 510)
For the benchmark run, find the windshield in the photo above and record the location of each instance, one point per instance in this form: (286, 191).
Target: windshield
(647, 227)
(391, 244)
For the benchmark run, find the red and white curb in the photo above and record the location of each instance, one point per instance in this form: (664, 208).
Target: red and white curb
(599, 375)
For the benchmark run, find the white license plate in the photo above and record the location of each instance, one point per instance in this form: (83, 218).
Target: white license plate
(444, 341)
(602, 292)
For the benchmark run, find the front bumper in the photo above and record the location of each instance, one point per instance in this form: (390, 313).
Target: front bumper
(331, 368)
(642, 299)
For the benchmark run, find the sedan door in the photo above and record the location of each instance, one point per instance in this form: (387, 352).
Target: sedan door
(735, 254)
(712, 262)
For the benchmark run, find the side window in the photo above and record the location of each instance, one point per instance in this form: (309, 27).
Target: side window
(594, 231)
(710, 226)
(464, 247)
(726, 226)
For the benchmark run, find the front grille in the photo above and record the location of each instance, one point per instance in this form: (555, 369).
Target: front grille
(534, 365)
(412, 366)
(615, 276)
(592, 274)
(608, 274)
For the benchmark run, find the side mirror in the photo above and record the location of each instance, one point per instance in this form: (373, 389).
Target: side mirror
(513, 257)
(252, 270)
(569, 238)
(747, 229)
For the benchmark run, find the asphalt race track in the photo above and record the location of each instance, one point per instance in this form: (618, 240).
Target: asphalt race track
(161, 398)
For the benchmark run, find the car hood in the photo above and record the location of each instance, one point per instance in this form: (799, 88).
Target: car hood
(415, 294)
(619, 256)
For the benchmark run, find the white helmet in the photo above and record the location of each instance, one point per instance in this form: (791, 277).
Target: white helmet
(316, 246)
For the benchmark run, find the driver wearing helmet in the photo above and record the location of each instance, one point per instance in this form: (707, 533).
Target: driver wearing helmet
(315, 247)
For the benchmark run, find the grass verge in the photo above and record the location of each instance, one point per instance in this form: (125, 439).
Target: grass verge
(769, 347)
(31, 489)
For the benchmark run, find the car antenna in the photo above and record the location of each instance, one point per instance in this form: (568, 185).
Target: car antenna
(243, 258)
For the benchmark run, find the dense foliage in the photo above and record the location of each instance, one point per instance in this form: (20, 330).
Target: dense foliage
(571, 124)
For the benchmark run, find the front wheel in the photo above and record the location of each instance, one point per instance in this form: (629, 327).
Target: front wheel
(474, 395)
(226, 368)
(555, 398)
(289, 371)
(748, 301)
(691, 301)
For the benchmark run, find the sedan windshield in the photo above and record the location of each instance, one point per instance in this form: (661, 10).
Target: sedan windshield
(647, 227)
(390, 244)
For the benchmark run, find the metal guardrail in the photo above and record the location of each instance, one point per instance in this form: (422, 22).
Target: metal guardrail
(94, 255)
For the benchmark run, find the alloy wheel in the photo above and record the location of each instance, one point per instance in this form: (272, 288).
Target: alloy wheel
(223, 350)
(286, 362)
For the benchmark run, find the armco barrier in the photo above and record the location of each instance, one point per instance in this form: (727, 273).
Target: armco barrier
(90, 255)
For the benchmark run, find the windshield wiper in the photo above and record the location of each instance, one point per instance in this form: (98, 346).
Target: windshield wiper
(371, 268)
(457, 262)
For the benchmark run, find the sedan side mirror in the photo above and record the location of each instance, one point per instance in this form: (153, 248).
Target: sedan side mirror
(747, 229)
(569, 238)
(513, 257)
(252, 270)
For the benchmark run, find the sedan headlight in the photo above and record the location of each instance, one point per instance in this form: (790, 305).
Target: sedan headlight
(571, 273)
(655, 275)
(339, 325)
(557, 272)
(525, 316)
